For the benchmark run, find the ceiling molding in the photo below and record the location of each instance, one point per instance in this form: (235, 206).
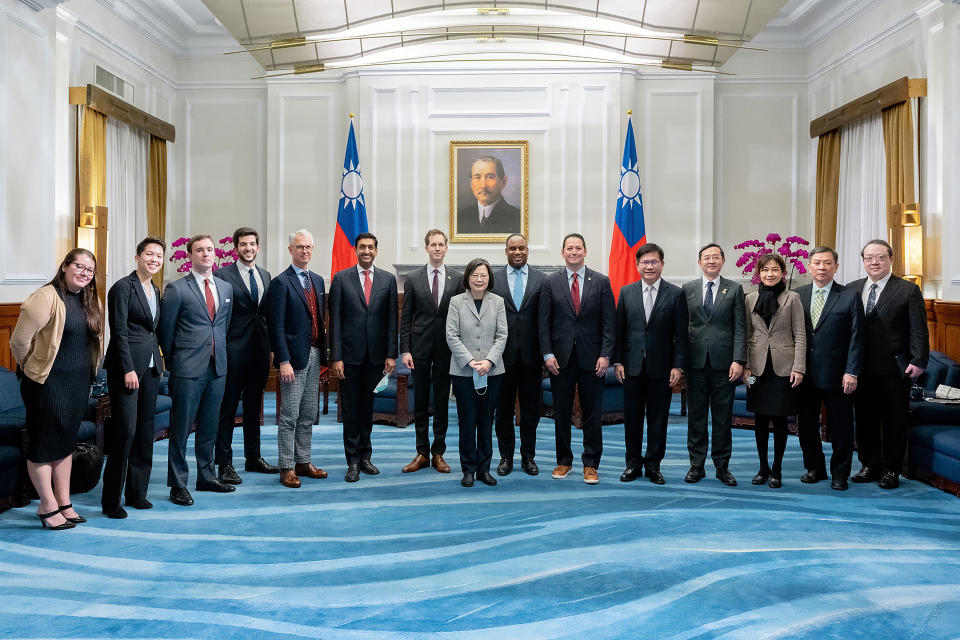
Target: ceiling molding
(40, 5)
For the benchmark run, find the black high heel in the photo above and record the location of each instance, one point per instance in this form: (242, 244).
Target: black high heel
(76, 520)
(43, 521)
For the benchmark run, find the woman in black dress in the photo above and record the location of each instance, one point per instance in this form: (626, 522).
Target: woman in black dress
(134, 366)
(57, 344)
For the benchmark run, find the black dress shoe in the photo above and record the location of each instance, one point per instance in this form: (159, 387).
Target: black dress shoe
(813, 477)
(724, 476)
(866, 474)
(890, 480)
(367, 467)
(259, 465)
(775, 482)
(228, 475)
(467, 480)
(216, 486)
(840, 484)
(117, 513)
(180, 496)
(505, 466)
(631, 474)
(655, 476)
(761, 478)
(352, 474)
(695, 474)
(530, 467)
(487, 479)
(139, 503)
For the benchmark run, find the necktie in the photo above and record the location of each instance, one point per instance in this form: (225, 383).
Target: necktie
(648, 303)
(436, 288)
(708, 300)
(367, 285)
(208, 293)
(517, 288)
(575, 294)
(872, 298)
(254, 289)
(306, 281)
(816, 308)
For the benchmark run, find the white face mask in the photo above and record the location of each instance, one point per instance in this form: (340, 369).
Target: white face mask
(384, 381)
(479, 382)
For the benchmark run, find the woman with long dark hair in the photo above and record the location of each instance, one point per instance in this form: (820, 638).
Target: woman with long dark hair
(57, 344)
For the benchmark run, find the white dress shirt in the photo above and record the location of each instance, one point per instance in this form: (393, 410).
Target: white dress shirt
(485, 211)
(881, 283)
(360, 273)
(244, 271)
(213, 288)
(703, 288)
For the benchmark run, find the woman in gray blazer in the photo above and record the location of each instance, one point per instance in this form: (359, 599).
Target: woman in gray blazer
(777, 356)
(476, 334)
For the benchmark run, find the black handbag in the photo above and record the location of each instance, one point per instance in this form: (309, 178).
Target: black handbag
(87, 466)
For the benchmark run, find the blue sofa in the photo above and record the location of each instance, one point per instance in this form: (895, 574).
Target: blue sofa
(934, 444)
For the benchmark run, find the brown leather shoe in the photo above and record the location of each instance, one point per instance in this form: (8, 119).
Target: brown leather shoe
(440, 464)
(590, 475)
(307, 469)
(289, 479)
(420, 462)
(561, 471)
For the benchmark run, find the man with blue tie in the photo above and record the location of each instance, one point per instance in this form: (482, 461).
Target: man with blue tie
(295, 307)
(194, 314)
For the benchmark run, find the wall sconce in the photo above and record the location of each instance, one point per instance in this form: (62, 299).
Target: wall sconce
(907, 217)
(92, 236)
(87, 230)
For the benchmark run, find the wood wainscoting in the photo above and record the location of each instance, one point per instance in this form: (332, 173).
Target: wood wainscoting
(943, 320)
(9, 312)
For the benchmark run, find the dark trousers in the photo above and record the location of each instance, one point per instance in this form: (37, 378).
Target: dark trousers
(356, 396)
(883, 410)
(431, 379)
(475, 417)
(129, 444)
(245, 382)
(839, 407)
(522, 382)
(761, 429)
(650, 396)
(194, 399)
(564, 385)
(709, 388)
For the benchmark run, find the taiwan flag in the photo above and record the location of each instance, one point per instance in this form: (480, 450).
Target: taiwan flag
(352, 213)
(629, 233)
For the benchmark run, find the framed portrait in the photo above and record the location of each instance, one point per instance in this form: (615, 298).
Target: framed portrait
(488, 190)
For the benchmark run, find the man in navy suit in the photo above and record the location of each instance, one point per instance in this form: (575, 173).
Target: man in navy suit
(295, 309)
(834, 319)
(363, 347)
(248, 357)
(194, 314)
(650, 356)
(519, 286)
(577, 337)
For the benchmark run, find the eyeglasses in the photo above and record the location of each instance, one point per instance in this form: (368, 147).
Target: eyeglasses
(712, 258)
(303, 247)
(479, 276)
(880, 257)
(648, 263)
(91, 271)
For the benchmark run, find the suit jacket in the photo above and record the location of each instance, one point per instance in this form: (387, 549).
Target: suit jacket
(247, 339)
(592, 330)
(835, 345)
(476, 335)
(186, 332)
(721, 334)
(785, 339)
(895, 330)
(359, 332)
(423, 325)
(505, 218)
(523, 341)
(662, 341)
(289, 320)
(133, 329)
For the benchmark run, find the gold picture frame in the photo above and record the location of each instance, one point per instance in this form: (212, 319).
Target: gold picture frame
(488, 158)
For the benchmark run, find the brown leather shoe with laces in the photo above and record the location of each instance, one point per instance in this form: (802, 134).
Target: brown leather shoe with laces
(289, 479)
(561, 471)
(419, 462)
(590, 475)
(440, 464)
(307, 469)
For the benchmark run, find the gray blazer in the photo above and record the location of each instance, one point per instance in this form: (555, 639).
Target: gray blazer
(187, 335)
(785, 339)
(720, 334)
(476, 336)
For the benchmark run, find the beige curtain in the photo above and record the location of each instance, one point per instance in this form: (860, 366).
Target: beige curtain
(92, 161)
(898, 148)
(157, 194)
(828, 187)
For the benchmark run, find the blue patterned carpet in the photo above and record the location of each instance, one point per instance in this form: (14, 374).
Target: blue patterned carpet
(418, 556)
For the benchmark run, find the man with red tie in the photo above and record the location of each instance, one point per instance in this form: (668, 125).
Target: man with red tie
(363, 347)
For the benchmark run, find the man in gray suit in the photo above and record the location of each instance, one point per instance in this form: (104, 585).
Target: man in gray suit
(715, 359)
(194, 313)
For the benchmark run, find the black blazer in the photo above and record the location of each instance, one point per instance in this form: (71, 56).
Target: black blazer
(662, 341)
(133, 330)
(523, 341)
(835, 345)
(247, 339)
(722, 334)
(895, 331)
(423, 327)
(288, 318)
(505, 218)
(361, 333)
(593, 330)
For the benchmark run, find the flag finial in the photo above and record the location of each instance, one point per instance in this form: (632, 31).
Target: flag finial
(629, 112)
(351, 115)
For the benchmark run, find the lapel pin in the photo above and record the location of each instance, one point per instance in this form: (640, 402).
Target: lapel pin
(724, 291)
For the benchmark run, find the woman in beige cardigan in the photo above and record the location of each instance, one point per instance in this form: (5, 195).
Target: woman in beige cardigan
(57, 344)
(777, 357)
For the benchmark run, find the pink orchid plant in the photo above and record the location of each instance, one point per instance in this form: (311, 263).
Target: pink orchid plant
(753, 249)
(225, 254)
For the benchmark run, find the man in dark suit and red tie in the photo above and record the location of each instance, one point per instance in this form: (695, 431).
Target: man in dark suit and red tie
(295, 309)
(896, 350)
(577, 338)
(248, 357)
(363, 347)
(194, 314)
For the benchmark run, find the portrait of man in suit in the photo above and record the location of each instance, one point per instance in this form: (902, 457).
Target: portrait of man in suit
(488, 187)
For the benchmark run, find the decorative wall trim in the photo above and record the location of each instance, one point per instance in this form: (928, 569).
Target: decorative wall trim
(544, 111)
(856, 51)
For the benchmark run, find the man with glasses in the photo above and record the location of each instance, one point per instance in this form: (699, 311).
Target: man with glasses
(295, 308)
(896, 349)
